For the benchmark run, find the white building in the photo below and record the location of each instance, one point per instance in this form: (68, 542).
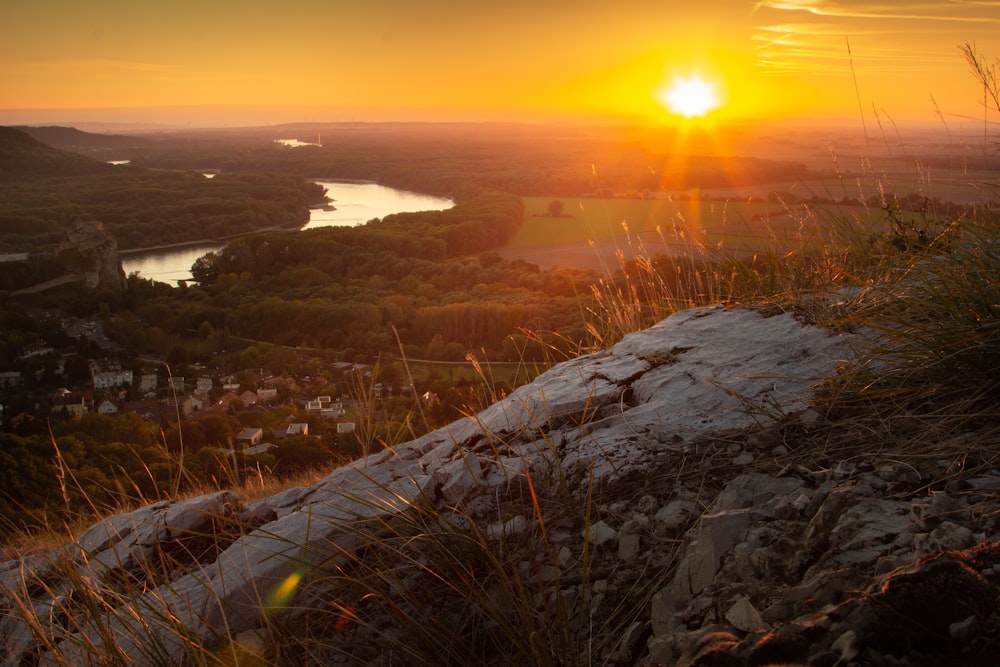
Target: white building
(109, 379)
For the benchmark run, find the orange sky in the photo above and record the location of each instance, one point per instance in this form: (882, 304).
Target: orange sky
(319, 60)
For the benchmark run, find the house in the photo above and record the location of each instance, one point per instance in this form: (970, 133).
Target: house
(266, 395)
(222, 405)
(75, 403)
(278, 382)
(148, 382)
(113, 378)
(203, 385)
(248, 398)
(10, 379)
(176, 384)
(249, 437)
(325, 406)
(107, 406)
(262, 448)
(195, 403)
(250, 451)
(345, 427)
(297, 429)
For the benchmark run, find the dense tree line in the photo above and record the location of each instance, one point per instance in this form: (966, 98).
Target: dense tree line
(144, 209)
(347, 289)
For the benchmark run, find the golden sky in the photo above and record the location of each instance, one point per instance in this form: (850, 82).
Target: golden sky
(319, 60)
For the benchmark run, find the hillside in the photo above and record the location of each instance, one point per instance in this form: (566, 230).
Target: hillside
(23, 157)
(72, 139)
(694, 495)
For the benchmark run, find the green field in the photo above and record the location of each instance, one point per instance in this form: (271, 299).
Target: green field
(592, 231)
(596, 219)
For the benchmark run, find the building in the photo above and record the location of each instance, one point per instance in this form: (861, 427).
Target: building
(10, 379)
(110, 379)
(248, 398)
(148, 382)
(75, 403)
(325, 406)
(262, 448)
(297, 429)
(107, 406)
(195, 403)
(225, 401)
(249, 437)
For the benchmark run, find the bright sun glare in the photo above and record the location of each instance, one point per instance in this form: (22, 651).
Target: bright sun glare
(690, 96)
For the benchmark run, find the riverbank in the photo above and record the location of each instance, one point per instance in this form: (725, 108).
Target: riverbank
(345, 204)
(206, 241)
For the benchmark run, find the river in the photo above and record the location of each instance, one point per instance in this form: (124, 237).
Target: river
(353, 204)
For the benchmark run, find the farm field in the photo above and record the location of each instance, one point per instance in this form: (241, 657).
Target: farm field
(593, 232)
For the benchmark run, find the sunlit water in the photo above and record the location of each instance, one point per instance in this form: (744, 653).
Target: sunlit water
(352, 203)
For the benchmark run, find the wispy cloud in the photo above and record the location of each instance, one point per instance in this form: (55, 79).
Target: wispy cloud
(931, 10)
(811, 35)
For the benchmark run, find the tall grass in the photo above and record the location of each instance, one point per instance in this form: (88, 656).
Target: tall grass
(438, 586)
(787, 271)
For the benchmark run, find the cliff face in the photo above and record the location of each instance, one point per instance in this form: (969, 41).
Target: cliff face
(87, 254)
(96, 257)
(654, 503)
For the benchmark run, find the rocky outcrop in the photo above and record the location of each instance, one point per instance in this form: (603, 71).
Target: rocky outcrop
(854, 565)
(97, 256)
(703, 548)
(87, 254)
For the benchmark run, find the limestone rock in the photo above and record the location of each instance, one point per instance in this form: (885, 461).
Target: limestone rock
(584, 425)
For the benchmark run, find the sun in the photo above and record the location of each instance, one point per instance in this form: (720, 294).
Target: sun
(690, 96)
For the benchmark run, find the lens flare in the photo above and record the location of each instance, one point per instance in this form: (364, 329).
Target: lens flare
(690, 96)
